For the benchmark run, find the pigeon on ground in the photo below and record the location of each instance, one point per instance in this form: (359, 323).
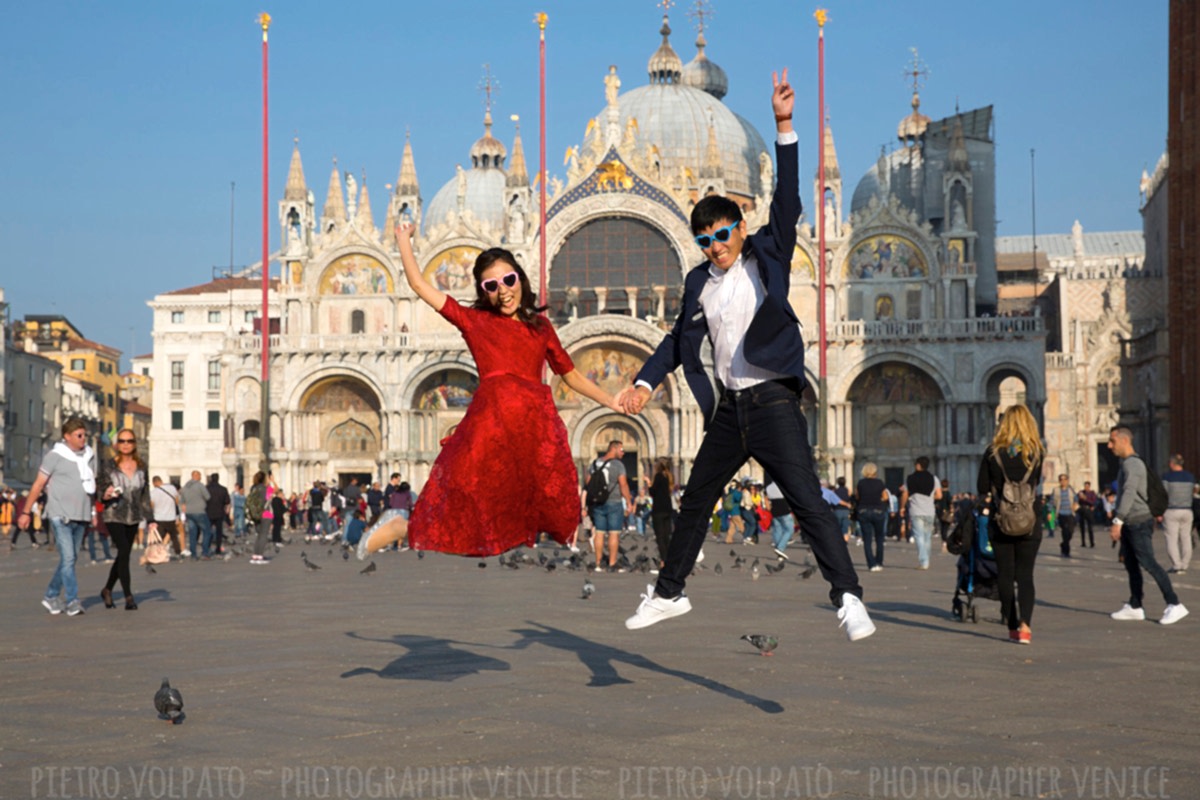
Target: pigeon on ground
(420, 555)
(754, 573)
(345, 554)
(809, 569)
(764, 643)
(482, 565)
(733, 554)
(776, 568)
(368, 569)
(589, 589)
(150, 568)
(169, 703)
(718, 569)
(310, 566)
(327, 555)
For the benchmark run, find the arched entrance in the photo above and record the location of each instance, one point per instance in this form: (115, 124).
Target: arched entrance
(894, 418)
(339, 416)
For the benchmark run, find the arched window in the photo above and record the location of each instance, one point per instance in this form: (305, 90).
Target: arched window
(615, 253)
(358, 321)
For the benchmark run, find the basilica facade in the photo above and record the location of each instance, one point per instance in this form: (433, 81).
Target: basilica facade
(366, 380)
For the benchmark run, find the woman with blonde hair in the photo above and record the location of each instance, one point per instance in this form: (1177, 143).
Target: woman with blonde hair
(871, 501)
(1014, 456)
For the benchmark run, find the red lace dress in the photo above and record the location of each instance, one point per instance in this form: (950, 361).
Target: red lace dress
(506, 472)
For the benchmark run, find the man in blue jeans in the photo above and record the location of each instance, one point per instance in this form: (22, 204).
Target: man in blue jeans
(193, 500)
(1133, 527)
(68, 471)
(608, 518)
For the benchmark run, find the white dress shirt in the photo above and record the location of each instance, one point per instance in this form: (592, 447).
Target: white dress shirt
(730, 299)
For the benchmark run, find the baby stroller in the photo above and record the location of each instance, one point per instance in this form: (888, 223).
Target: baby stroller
(977, 571)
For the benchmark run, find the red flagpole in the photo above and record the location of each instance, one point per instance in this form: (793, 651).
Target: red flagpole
(264, 19)
(820, 15)
(542, 287)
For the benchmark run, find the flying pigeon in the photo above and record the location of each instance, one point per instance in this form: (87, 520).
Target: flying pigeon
(809, 569)
(368, 569)
(764, 643)
(310, 566)
(169, 703)
(589, 589)
(775, 569)
(150, 568)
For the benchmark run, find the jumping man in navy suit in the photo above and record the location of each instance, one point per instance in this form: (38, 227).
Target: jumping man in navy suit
(738, 299)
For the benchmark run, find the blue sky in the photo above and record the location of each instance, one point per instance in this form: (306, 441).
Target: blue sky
(126, 122)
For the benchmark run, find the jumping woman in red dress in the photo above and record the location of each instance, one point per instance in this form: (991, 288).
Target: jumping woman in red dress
(505, 474)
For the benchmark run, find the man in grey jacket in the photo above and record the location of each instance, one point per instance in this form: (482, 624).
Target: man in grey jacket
(194, 499)
(1133, 527)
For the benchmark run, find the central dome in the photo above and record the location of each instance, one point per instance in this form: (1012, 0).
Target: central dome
(674, 112)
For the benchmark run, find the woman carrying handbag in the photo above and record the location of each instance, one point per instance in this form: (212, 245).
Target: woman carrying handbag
(124, 487)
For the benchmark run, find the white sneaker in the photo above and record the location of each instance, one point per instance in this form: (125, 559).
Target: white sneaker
(1129, 612)
(700, 555)
(854, 618)
(655, 609)
(877, 568)
(1173, 613)
(186, 554)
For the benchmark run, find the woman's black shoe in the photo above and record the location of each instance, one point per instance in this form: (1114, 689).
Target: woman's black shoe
(106, 596)
(131, 604)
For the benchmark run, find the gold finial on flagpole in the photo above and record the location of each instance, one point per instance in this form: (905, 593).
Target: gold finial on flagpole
(264, 19)
(821, 14)
(540, 18)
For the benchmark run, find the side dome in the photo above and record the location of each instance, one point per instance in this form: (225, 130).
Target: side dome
(703, 74)
(479, 189)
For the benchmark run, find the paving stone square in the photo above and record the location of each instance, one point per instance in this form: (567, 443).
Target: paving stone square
(434, 677)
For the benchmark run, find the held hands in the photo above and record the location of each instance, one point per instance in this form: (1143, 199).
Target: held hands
(783, 100)
(633, 399)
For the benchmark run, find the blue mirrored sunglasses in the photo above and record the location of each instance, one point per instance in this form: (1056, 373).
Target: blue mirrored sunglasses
(705, 240)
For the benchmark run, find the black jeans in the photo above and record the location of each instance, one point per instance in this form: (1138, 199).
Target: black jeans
(661, 520)
(873, 522)
(1014, 566)
(123, 537)
(218, 527)
(1085, 519)
(1137, 546)
(763, 422)
(1066, 524)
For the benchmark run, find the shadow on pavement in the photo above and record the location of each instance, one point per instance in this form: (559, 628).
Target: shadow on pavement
(428, 659)
(602, 659)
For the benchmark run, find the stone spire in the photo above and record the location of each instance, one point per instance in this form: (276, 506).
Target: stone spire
(832, 171)
(665, 65)
(712, 154)
(958, 160)
(296, 188)
(518, 174)
(362, 216)
(407, 182)
(334, 210)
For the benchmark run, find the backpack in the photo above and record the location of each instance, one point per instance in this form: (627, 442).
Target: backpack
(1014, 506)
(256, 501)
(1156, 493)
(597, 490)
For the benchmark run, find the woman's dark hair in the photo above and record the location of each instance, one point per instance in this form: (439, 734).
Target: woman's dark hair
(260, 477)
(529, 311)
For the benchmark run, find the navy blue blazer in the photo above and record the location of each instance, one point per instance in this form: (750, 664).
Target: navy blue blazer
(773, 339)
